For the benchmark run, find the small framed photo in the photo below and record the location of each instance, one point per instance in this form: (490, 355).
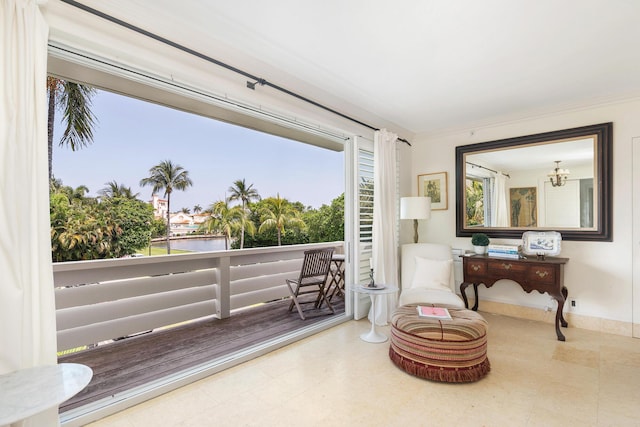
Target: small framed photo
(434, 185)
(541, 243)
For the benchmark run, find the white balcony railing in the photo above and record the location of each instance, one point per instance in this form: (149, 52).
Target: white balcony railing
(106, 299)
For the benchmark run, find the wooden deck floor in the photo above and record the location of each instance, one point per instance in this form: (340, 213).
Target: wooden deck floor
(124, 364)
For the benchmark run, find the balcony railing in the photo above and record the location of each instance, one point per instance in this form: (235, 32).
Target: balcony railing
(106, 299)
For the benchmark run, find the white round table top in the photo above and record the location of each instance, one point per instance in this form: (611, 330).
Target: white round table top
(379, 289)
(29, 391)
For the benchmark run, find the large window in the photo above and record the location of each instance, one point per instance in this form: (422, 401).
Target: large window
(476, 193)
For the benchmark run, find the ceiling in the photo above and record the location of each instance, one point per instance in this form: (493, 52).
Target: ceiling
(415, 66)
(571, 154)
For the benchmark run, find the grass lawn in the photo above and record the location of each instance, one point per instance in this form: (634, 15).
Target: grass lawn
(161, 251)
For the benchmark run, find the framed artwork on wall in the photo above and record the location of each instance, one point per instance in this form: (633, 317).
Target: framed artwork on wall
(523, 206)
(434, 185)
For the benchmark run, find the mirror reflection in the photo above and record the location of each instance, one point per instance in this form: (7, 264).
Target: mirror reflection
(539, 186)
(559, 180)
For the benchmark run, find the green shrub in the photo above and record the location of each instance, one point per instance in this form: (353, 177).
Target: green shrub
(479, 239)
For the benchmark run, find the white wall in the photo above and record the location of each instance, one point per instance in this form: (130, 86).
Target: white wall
(599, 274)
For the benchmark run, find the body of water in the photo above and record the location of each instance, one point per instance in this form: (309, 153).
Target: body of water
(195, 245)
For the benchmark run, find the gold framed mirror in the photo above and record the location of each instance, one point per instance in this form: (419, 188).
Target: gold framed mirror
(557, 181)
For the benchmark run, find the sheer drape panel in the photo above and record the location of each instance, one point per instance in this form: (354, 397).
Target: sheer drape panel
(385, 252)
(489, 202)
(500, 205)
(27, 307)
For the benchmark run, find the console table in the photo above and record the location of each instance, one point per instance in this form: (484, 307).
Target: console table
(542, 275)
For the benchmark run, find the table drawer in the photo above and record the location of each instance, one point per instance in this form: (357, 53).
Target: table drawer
(542, 274)
(474, 269)
(506, 267)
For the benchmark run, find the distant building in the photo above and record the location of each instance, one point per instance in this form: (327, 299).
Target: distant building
(159, 207)
(182, 223)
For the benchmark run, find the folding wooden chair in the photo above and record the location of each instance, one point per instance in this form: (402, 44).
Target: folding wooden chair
(312, 280)
(336, 277)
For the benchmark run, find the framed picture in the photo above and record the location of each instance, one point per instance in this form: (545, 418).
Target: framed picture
(523, 205)
(434, 185)
(541, 243)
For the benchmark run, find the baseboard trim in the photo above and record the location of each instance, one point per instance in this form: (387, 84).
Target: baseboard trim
(597, 324)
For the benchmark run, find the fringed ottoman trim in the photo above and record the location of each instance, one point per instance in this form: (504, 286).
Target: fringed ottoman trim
(440, 373)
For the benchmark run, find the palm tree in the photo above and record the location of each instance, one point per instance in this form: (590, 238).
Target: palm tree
(224, 219)
(79, 193)
(168, 177)
(240, 191)
(246, 225)
(474, 202)
(197, 209)
(277, 214)
(185, 210)
(113, 189)
(73, 195)
(74, 100)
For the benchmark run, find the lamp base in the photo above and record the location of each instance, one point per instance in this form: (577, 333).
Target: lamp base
(415, 231)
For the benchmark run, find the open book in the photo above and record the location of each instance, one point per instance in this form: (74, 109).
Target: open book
(433, 312)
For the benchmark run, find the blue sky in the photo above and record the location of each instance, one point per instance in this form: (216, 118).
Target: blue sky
(131, 136)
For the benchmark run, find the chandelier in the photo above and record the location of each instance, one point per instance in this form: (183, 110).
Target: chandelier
(558, 176)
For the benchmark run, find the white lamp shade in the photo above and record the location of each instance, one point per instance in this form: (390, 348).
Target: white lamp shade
(415, 208)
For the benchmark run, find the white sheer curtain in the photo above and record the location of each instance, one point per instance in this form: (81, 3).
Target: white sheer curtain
(385, 252)
(27, 308)
(499, 203)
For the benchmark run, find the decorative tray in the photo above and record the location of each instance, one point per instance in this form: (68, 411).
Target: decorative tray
(541, 243)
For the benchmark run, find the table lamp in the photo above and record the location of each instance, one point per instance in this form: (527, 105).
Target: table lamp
(415, 208)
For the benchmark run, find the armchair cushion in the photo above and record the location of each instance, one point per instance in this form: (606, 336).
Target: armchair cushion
(426, 295)
(425, 286)
(432, 274)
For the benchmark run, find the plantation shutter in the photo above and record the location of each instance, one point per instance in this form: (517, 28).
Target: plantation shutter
(364, 219)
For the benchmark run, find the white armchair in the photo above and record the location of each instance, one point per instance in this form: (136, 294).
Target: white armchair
(427, 275)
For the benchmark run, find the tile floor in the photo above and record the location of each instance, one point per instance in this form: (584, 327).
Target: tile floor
(335, 379)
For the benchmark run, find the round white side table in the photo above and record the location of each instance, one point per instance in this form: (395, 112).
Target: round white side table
(27, 392)
(373, 335)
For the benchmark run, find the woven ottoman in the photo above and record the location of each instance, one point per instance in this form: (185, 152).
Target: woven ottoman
(453, 351)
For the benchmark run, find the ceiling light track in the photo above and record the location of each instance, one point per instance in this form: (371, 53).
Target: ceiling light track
(250, 84)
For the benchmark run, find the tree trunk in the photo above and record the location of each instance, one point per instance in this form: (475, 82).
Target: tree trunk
(244, 213)
(51, 115)
(168, 223)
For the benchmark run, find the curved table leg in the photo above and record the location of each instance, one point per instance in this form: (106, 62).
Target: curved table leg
(463, 291)
(475, 291)
(559, 316)
(565, 294)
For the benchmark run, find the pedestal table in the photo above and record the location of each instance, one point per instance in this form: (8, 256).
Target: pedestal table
(373, 292)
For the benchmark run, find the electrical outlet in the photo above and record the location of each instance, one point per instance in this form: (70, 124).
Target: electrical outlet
(573, 304)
